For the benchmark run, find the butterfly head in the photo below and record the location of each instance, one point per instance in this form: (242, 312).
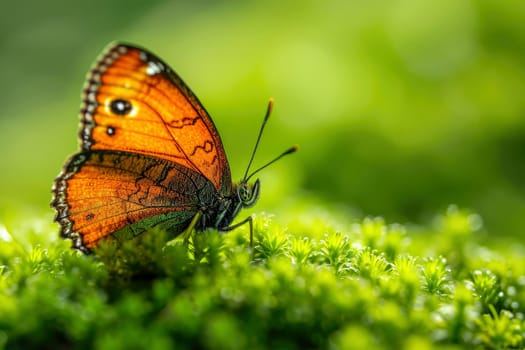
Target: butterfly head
(248, 194)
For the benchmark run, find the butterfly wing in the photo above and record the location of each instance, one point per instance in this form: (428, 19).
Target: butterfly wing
(134, 102)
(101, 192)
(149, 152)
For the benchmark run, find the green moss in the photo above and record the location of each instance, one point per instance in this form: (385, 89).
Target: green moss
(374, 286)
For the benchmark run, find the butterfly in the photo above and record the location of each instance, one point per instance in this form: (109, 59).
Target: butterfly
(150, 156)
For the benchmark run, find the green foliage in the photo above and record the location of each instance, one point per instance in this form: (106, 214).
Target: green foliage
(501, 331)
(376, 286)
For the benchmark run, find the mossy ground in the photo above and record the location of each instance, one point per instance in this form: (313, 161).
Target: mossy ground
(369, 285)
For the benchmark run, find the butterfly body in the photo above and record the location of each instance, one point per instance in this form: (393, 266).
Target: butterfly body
(150, 157)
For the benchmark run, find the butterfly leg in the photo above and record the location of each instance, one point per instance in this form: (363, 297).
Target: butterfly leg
(186, 234)
(248, 220)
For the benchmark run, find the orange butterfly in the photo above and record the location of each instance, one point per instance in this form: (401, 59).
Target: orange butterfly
(150, 156)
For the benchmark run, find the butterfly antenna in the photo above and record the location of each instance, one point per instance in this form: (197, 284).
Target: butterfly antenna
(288, 151)
(266, 117)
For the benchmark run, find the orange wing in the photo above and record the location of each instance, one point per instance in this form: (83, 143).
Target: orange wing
(101, 192)
(136, 103)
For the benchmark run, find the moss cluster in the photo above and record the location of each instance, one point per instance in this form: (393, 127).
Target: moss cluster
(374, 286)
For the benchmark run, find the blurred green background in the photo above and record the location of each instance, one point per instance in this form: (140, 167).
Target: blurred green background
(400, 107)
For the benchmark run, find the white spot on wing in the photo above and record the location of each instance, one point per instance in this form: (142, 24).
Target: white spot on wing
(154, 68)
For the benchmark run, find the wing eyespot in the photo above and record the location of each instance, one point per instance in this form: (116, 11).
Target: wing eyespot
(120, 107)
